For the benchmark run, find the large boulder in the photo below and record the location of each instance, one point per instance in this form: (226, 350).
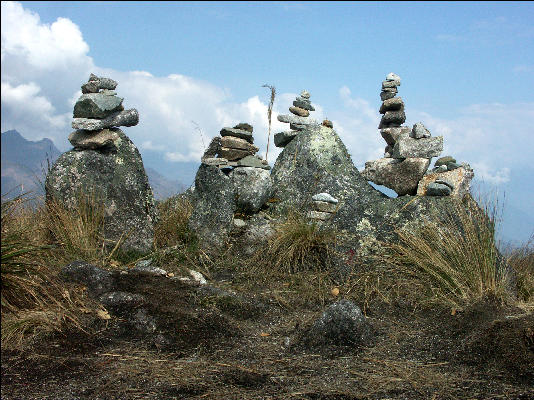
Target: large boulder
(253, 188)
(213, 207)
(116, 176)
(316, 161)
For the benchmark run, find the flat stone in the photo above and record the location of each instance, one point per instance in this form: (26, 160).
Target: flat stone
(305, 94)
(440, 168)
(325, 197)
(392, 135)
(445, 182)
(303, 103)
(122, 118)
(393, 77)
(407, 147)
(452, 166)
(97, 105)
(420, 131)
(390, 89)
(387, 95)
(295, 119)
(238, 133)
(89, 140)
(217, 161)
(328, 124)
(390, 84)
(238, 143)
(234, 154)
(444, 160)
(395, 118)
(244, 126)
(438, 189)
(388, 151)
(393, 104)
(325, 206)
(402, 176)
(96, 83)
(239, 223)
(298, 127)
(281, 139)
(460, 179)
(319, 215)
(299, 111)
(252, 161)
(213, 148)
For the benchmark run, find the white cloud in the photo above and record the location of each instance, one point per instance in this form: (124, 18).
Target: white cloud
(491, 175)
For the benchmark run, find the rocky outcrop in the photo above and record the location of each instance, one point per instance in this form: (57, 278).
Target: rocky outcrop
(107, 166)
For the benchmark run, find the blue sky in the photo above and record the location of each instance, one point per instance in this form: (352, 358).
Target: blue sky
(192, 68)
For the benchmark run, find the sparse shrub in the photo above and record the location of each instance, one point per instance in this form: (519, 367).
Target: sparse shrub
(299, 245)
(457, 259)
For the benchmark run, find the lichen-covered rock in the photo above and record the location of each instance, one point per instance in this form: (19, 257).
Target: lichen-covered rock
(281, 139)
(96, 279)
(400, 175)
(90, 140)
(97, 105)
(116, 177)
(460, 178)
(253, 187)
(120, 118)
(315, 161)
(408, 147)
(213, 207)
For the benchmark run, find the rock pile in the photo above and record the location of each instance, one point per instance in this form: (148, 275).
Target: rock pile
(408, 151)
(234, 148)
(324, 207)
(106, 164)
(298, 119)
(447, 178)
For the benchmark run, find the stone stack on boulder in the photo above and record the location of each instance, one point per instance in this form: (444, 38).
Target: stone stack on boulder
(106, 166)
(447, 178)
(408, 151)
(234, 148)
(324, 207)
(298, 119)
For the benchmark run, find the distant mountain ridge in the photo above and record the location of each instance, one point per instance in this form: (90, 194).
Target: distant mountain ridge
(25, 163)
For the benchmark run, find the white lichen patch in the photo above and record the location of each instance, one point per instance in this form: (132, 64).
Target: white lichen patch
(119, 160)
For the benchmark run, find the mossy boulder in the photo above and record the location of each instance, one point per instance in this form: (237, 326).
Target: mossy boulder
(115, 177)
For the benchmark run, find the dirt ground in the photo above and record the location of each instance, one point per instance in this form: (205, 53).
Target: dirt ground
(247, 347)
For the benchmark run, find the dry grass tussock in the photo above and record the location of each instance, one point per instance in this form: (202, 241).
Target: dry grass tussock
(521, 260)
(456, 261)
(34, 300)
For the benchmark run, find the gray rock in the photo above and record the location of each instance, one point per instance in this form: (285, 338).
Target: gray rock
(146, 267)
(294, 119)
(281, 139)
(97, 280)
(407, 147)
(390, 89)
(244, 126)
(324, 206)
(237, 143)
(319, 215)
(387, 95)
(116, 178)
(388, 151)
(239, 223)
(389, 84)
(299, 111)
(444, 160)
(303, 103)
(400, 175)
(341, 324)
(143, 322)
(234, 154)
(451, 166)
(122, 118)
(393, 104)
(97, 105)
(391, 135)
(458, 179)
(253, 187)
(253, 161)
(305, 94)
(440, 168)
(438, 189)
(328, 123)
(316, 160)
(89, 140)
(445, 182)
(217, 161)
(325, 197)
(213, 148)
(419, 131)
(95, 84)
(392, 118)
(298, 127)
(122, 303)
(238, 133)
(393, 77)
(213, 207)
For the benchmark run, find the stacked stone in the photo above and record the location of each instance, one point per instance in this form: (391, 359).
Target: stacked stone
(298, 119)
(447, 178)
(324, 206)
(408, 151)
(234, 148)
(97, 113)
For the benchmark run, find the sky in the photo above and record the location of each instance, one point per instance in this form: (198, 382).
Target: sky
(194, 68)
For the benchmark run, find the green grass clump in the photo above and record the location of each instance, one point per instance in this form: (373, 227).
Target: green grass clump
(457, 259)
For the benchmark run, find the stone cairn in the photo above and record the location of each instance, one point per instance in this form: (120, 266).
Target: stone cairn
(97, 112)
(298, 119)
(324, 206)
(234, 148)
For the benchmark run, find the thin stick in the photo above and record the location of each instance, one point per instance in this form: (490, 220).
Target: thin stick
(269, 113)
